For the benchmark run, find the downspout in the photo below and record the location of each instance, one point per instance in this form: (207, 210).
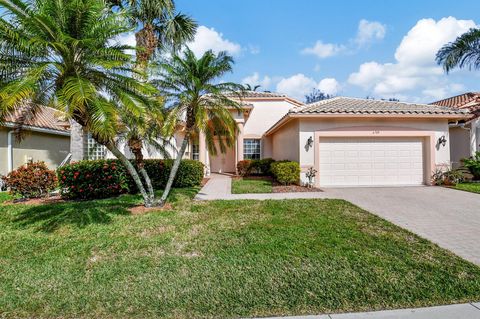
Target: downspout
(10, 151)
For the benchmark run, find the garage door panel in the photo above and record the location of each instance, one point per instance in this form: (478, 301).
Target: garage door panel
(371, 161)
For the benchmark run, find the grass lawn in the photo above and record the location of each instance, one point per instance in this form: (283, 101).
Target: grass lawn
(4, 196)
(246, 185)
(217, 259)
(469, 187)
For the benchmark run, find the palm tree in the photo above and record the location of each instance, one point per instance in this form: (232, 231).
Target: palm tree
(253, 88)
(194, 97)
(463, 52)
(148, 128)
(62, 53)
(158, 25)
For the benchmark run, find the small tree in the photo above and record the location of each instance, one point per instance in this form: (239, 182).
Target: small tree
(316, 95)
(194, 97)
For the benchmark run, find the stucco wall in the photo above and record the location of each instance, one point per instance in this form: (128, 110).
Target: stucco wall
(50, 148)
(459, 145)
(285, 143)
(264, 115)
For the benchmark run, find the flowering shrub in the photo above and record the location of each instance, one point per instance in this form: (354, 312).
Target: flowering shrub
(31, 180)
(108, 178)
(93, 179)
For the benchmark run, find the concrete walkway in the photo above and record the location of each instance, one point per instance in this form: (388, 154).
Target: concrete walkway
(460, 311)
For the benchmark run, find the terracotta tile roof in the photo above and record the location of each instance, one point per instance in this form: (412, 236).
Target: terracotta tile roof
(257, 94)
(348, 105)
(45, 117)
(467, 101)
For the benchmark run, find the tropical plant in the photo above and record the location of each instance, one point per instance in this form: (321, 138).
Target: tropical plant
(31, 180)
(158, 26)
(473, 165)
(63, 53)
(194, 98)
(253, 88)
(464, 52)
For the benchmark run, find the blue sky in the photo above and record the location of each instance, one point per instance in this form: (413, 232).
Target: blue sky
(354, 48)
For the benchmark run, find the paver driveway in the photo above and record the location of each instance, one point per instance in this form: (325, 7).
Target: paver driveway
(447, 217)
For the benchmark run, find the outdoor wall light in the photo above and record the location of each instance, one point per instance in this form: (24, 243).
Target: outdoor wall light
(309, 143)
(442, 141)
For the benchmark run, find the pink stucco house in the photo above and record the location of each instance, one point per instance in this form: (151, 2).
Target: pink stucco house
(349, 141)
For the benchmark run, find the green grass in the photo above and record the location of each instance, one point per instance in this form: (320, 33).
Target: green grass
(4, 196)
(246, 185)
(469, 187)
(217, 259)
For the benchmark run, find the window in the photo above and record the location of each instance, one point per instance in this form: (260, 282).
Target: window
(95, 150)
(195, 152)
(251, 149)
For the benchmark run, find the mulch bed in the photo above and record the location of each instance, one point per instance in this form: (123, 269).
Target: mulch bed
(37, 201)
(279, 188)
(204, 181)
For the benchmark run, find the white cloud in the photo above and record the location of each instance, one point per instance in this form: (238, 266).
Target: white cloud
(209, 39)
(299, 85)
(414, 68)
(296, 86)
(324, 50)
(255, 79)
(369, 31)
(329, 86)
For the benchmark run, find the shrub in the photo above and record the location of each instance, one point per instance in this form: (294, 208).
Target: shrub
(262, 166)
(286, 172)
(31, 180)
(473, 165)
(108, 178)
(93, 179)
(447, 176)
(190, 173)
(244, 167)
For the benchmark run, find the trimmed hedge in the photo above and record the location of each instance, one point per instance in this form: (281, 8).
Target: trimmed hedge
(93, 179)
(286, 172)
(262, 166)
(244, 167)
(108, 178)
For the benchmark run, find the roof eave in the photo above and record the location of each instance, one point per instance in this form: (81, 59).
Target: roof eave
(38, 129)
(291, 116)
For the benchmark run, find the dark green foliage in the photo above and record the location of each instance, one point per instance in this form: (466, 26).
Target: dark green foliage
(262, 166)
(473, 165)
(93, 179)
(31, 180)
(286, 172)
(108, 178)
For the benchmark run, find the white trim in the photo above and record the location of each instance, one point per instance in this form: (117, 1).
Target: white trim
(38, 129)
(10, 151)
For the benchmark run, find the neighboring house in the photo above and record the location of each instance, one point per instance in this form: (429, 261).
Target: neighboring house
(349, 141)
(46, 138)
(465, 134)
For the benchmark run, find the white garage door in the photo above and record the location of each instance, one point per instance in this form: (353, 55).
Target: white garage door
(351, 161)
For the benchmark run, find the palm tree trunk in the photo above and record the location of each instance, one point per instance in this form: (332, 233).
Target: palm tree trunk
(173, 172)
(131, 169)
(136, 146)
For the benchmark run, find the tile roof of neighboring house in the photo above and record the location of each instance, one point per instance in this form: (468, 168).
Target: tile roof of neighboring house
(467, 101)
(45, 118)
(349, 105)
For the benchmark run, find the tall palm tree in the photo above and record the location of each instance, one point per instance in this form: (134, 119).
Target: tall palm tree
(193, 97)
(249, 87)
(461, 53)
(158, 26)
(61, 53)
